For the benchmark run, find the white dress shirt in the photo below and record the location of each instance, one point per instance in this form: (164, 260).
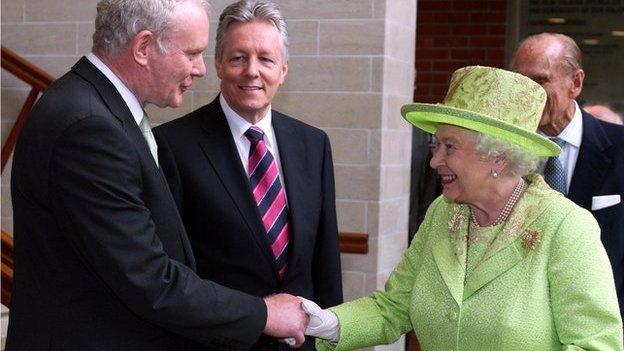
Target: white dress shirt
(128, 97)
(572, 135)
(238, 126)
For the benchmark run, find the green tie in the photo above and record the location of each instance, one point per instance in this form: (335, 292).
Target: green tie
(146, 129)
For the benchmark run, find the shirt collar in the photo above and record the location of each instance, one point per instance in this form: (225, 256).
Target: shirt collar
(573, 132)
(128, 97)
(239, 125)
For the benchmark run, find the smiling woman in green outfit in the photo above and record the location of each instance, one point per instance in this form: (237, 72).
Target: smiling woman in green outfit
(501, 261)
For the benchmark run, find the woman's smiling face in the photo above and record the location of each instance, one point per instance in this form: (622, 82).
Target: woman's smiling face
(465, 175)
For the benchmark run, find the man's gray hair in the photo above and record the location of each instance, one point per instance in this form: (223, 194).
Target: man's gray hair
(118, 21)
(571, 55)
(520, 161)
(246, 11)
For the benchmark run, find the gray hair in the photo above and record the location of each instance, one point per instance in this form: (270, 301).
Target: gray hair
(246, 11)
(119, 21)
(520, 161)
(571, 55)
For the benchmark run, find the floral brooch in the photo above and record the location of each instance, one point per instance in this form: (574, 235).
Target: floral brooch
(531, 239)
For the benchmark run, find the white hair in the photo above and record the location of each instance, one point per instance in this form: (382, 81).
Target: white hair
(520, 161)
(118, 21)
(246, 11)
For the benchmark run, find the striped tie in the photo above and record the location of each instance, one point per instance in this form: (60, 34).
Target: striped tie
(269, 195)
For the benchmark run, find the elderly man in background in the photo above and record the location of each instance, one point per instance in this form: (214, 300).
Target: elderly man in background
(255, 188)
(590, 170)
(102, 260)
(604, 112)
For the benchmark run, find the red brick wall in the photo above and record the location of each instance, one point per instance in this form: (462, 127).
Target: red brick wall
(452, 34)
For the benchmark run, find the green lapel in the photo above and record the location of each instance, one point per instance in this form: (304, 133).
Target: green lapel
(450, 269)
(493, 267)
(449, 252)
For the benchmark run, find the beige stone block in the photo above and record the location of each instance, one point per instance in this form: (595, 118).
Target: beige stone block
(352, 285)
(328, 74)
(351, 216)
(400, 42)
(320, 9)
(377, 74)
(392, 118)
(6, 173)
(303, 37)
(357, 182)
(40, 39)
(11, 81)
(85, 38)
(374, 147)
(379, 8)
(391, 249)
(393, 217)
(398, 77)
(4, 130)
(395, 181)
(349, 146)
(54, 65)
(366, 263)
(332, 110)
(12, 103)
(212, 39)
(372, 219)
(7, 209)
(215, 9)
(12, 11)
(396, 147)
(359, 37)
(402, 12)
(161, 115)
(7, 227)
(59, 10)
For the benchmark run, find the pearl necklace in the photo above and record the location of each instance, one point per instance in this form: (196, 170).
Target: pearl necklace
(515, 196)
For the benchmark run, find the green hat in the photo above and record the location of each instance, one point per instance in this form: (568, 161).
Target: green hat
(492, 101)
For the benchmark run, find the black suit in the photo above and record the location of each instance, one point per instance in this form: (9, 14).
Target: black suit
(210, 186)
(101, 256)
(599, 171)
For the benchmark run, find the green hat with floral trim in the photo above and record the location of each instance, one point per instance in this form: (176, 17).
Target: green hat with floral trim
(493, 101)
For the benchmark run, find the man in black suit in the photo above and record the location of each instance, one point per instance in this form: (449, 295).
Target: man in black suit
(102, 260)
(258, 238)
(592, 160)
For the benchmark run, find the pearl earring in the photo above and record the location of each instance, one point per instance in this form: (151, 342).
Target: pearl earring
(494, 174)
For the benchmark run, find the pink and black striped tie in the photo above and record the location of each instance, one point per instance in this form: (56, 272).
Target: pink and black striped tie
(270, 197)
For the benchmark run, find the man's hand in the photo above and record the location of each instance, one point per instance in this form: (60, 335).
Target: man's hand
(285, 318)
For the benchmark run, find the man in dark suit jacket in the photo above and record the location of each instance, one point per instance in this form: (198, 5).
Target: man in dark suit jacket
(205, 157)
(593, 150)
(102, 260)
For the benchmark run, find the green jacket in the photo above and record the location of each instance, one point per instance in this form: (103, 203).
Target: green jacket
(545, 283)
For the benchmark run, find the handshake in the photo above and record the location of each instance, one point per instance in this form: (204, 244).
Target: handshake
(290, 318)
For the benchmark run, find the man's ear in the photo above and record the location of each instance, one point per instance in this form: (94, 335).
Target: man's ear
(577, 83)
(141, 46)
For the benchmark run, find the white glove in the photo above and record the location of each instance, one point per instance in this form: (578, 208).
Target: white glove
(323, 323)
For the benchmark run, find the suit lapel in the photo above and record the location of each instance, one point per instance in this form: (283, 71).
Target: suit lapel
(220, 150)
(591, 164)
(450, 253)
(451, 270)
(120, 110)
(292, 154)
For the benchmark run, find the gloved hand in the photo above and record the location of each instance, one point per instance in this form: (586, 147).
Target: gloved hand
(323, 323)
